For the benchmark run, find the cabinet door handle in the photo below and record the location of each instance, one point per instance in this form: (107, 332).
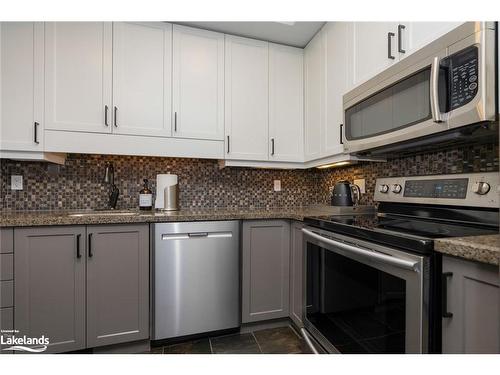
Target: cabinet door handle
(341, 134)
(400, 38)
(444, 294)
(35, 133)
(91, 254)
(389, 45)
(175, 121)
(106, 108)
(78, 252)
(228, 144)
(115, 123)
(272, 146)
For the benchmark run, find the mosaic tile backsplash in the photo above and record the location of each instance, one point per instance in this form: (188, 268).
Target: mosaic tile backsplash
(78, 184)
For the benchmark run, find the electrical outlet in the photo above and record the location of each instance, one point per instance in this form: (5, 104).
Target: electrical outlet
(277, 185)
(16, 182)
(361, 184)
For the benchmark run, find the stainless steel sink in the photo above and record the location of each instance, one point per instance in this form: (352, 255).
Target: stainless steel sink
(103, 213)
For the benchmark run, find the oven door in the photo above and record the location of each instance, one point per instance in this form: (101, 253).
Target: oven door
(364, 298)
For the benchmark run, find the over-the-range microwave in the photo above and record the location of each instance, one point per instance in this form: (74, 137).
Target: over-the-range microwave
(430, 95)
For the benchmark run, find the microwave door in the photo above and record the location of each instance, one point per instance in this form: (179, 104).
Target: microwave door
(406, 109)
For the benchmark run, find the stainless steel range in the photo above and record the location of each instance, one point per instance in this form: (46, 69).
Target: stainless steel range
(373, 282)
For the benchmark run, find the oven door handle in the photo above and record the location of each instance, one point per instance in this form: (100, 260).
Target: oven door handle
(401, 263)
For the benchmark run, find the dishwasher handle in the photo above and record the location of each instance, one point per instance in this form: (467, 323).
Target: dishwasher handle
(383, 258)
(195, 235)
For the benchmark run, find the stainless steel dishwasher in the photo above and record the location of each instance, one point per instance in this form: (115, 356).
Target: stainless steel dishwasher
(196, 278)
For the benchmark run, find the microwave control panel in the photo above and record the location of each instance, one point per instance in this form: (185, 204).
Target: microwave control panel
(463, 76)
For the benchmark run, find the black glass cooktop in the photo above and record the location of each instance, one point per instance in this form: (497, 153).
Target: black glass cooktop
(409, 233)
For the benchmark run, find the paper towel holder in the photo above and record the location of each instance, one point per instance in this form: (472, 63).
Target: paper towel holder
(167, 192)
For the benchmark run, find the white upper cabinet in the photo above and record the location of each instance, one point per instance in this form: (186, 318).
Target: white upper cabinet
(198, 83)
(414, 35)
(21, 86)
(315, 96)
(78, 79)
(286, 103)
(142, 63)
(374, 48)
(246, 98)
(338, 82)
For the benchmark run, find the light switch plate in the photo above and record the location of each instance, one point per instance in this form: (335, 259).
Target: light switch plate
(277, 185)
(16, 182)
(361, 184)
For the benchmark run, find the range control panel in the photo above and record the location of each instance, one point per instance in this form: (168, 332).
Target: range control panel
(463, 76)
(474, 189)
(450, 188)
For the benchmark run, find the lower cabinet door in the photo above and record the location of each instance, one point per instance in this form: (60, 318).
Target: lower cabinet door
(266, 262)
(49, 283)
(117, 284)
(471, 322)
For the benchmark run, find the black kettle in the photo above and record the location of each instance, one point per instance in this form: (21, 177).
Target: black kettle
(342, 194)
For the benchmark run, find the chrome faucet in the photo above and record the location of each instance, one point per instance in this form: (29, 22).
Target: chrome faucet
(109, 178)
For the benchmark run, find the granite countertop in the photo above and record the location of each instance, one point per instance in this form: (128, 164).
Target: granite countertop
(84, 217)
(484, 249)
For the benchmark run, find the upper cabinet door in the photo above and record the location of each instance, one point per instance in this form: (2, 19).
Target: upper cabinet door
(246, 98)
(142, 63)
(315, 95)
(21, 86)
(415, 35)
(198, 83)
(78, 79)
(338, 82)
(286, 103)
(374, 46)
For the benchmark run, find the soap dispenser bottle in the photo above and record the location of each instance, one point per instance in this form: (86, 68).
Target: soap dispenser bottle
(145, 197)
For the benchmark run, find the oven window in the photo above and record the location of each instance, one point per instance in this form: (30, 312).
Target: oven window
(357, 308)
(403, 104)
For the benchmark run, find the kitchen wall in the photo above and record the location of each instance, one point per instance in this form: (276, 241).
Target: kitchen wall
(78, 184)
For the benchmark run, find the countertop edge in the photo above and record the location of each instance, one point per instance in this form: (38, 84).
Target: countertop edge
(472, 248)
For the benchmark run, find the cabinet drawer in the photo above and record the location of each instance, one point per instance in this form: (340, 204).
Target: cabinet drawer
(6, 240)
(6, 266)
(6, 294)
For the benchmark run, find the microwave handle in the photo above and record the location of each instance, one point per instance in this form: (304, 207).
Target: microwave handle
(402, 263)
(434, 91)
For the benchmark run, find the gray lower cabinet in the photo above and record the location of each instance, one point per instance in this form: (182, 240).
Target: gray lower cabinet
(82, 287)
(50, 285)
(296, 273)
(117, 284)
(265, 270)
(473, 307)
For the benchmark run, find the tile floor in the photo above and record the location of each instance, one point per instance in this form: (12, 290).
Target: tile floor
(281, 340)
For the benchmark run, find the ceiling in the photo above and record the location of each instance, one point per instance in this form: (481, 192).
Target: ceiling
(296, 34)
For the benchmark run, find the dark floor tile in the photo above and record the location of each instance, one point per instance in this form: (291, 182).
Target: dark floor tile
(155, 350)
(235, 344)
(191, 347)
(281, 340)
